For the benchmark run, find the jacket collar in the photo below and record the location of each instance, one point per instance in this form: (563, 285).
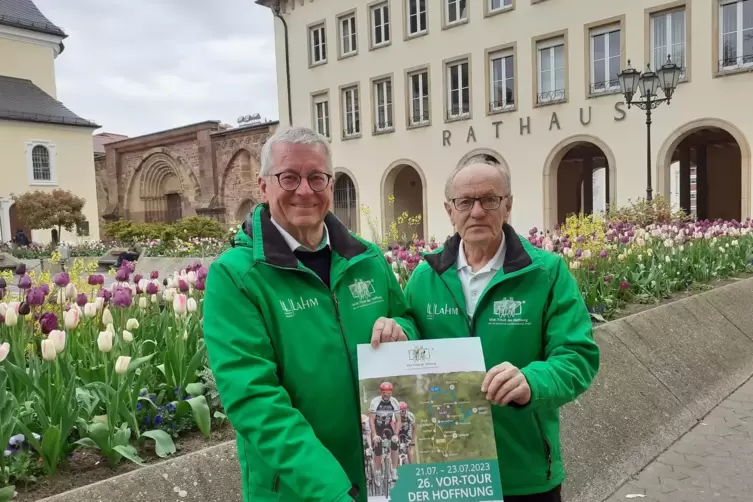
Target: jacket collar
(269, 245)
(516, 257)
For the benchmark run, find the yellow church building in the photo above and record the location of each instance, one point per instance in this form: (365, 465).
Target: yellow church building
(43, 144)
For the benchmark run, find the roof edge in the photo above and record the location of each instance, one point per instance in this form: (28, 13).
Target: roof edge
(46, 28)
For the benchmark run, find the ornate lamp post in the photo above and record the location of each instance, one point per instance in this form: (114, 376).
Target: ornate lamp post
(649, 83)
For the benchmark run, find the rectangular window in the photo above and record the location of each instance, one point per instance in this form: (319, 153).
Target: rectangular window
(501, 81)
(352, 117)
(416, 17)
(318, 44)
(551, 69)
(321, 115)
(380, 25)
(668, 39)
(348, 37)
(383, 105)
(419, 98)
(459, 91)
(498, 5)
(605, 59)
(736, 34)
(455, 11)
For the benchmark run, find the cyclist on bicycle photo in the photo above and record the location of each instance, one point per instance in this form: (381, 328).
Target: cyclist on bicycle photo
(408, 429)
(382, 411)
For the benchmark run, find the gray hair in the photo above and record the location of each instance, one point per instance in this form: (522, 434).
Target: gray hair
(294, 135)
(479, 159)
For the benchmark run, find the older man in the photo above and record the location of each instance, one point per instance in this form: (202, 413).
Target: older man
(525, 306)
(284, 310)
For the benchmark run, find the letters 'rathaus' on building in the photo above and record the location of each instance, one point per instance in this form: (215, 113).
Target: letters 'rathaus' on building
(206, 169)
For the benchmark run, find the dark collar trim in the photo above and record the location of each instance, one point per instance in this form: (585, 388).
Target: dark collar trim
(277, 252)
(516, 257)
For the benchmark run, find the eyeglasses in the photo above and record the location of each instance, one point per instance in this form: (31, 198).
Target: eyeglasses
(290, 181)
(489, 202)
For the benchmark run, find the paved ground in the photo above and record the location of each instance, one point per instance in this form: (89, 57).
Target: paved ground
(714, 461)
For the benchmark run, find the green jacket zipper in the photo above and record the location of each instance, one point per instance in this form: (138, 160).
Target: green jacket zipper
(276, 484)
(547, 447)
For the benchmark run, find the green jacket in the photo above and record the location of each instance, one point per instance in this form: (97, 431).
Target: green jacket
(531, 315)
(282, 347)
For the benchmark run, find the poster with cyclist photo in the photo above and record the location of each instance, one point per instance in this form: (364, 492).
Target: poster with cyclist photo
(427, 427)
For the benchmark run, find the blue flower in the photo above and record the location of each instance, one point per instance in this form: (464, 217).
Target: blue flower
(157, 420)
(142, 393)
(7, 453)
(146, 419)
(17, 440)
(153, 398)
(171, 407)
(139, 405)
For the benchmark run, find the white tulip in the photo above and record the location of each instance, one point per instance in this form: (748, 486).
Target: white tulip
(132, 323)
(90, 309)
(11, 318)
(110, 328)
(191, 305)
(4, 351)
(3, 308)
(127, 336)
(104, 341)
(99, 302)
(70, 291)
(48, 350)
(143, 302)
(121, 365)
(71, 318)
(58, 339)
(107, 317)
(154, 299)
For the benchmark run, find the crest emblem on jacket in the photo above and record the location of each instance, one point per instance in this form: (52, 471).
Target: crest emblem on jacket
(508, 311)
(364, 293)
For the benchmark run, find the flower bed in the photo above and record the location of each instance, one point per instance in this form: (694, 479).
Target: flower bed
(117, 372)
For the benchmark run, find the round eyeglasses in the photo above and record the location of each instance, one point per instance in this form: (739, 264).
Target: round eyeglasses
(290, 181)
(489, 202)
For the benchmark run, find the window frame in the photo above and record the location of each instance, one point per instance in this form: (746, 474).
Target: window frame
(410, 73)
(357, 113)
(313, 27)
(407, 15)
(386, 20)
(52, 157)
(447, 66)
(352, 18)
(543, 42)
(504, 51)
(317, 98)
(388, 105)
(447, 24)
(666, 14)
(490, 11)
(740, 31)
(593, 30)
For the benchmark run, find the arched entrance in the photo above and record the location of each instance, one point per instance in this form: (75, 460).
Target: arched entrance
(345, 200)
(578, 179)
(16, 223)
(159, 191)
(238, 184)
(704, 169)
(404, 194)
(244, 209)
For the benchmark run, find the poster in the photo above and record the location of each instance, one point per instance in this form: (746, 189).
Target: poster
(427, 395)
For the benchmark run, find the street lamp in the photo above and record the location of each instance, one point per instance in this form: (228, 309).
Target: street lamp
(649, 82)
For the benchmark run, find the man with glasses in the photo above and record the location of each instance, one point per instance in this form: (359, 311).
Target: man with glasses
(527, 310)
(284, 310)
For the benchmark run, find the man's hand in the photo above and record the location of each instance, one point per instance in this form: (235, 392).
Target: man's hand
(386, 330)
(505, 383)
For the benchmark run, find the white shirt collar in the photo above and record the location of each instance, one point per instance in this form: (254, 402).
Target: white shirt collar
(494, 264)
(294, 244)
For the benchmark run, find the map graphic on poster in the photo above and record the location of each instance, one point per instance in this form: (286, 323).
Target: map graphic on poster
(428, 433)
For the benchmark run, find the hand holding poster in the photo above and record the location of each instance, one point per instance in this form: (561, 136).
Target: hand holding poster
(428, 433)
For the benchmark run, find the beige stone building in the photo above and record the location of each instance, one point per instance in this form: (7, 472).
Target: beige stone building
(408, 89)
(43, 144)
(206, 169)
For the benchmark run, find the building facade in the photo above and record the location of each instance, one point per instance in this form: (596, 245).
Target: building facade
(43, 144)
(207, 169)
(408, 89)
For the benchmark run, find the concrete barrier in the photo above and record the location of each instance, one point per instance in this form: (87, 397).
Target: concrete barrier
(662, 370)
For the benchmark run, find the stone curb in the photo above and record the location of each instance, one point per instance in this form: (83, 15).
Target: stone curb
(661, 371)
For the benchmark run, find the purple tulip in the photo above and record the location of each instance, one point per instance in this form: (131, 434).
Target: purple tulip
(154, 274)
(21, 269)
(106, 294)
(45, 289)
(137, 278)
(48, 322)
(202, 273)
(35, 297)
(122, 274)
(183, 286)
(603, 253)
(82, 300)
(199, 285)
(24, 282)
(151, 289)
(62, 279)
(122, 298)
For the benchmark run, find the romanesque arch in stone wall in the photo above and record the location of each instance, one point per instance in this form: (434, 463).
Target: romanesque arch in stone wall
(238, 189)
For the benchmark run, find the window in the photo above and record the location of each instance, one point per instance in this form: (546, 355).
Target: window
(459, 91)
(668, 39)
(736, 34)
(318, 44)
(499, 5)
(455, 11)
(416, 17)
(419, 98)
(351, 118)
(321, 115)
(551, 68)
(501, 81)
(383, 105)
(348, 37)
(605, 59)
(40, 161)
(380, 25)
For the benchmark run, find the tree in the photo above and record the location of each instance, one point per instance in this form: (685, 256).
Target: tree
(56, 209)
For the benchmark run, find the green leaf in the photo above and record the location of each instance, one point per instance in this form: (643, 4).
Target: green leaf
(135, 363)
(6, 493)
(122, 435)
(200, 410)
(193, 366)
(51, 448)
(129, 452)
(87, 443)
(195, 389)
(163, 443)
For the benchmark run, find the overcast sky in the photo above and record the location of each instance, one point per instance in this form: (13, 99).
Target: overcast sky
(141, 66)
